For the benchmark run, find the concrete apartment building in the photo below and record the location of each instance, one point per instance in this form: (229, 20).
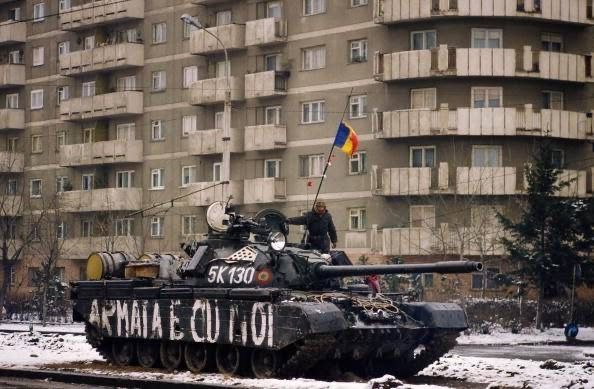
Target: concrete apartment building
(110, 106)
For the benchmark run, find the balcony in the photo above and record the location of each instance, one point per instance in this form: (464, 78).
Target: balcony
(99, 200)
(574, 183)
(264, 190)
(102, 106)
(80, 248)
(12, 32)
(208, 142)
(212, 90)
(265, 137)
(12, 75)
(11, 205)
(266, 84)
(100, 12)
(491, 181)
(100, 59)
(232, 36)
(265, 32)
(12, 162)
(410, 181)
(523, 121)
(100, 153)
(12, 119)
(208, 2)
(469, 62)
(209, 192)
(566, 11)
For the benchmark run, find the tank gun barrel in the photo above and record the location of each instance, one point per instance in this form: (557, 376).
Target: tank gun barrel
(327, 271)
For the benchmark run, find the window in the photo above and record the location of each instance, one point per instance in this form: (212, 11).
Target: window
(37, 99)
(12, 101)
(88, 89)
(157, 227)
(358, 3)
(428, 280)
(314, 58)
(219, 119)
(32, 276)
(272, 115)
(62, 184)
(60, 138)
(12, 186)
(552, 100)
(38, 56)
(35, 189)
(87, 181)
(39, 12)
(63, 5)
(216, 171)
(423, 40)
(89, 42)
(222, 68)
(484, 216)
(157, 132)
(125, 179)
(311, 165)
(422, 156)
(123, 227)
(36, 144)
(422, 216)
(11, 144)
(61, 230)
(189, 225)
(12, 276)
(190, 76)
(487, 38)
(126, 83)
(483, 97)
(313, 7)
(63, 48)
(423, 98)
(485, 279)
(14, 14)
(486, 156)
(63, 93)
(274, 9)
(557, 158)
(272, 62)
(312, 112)
(358, 51)
(272, 168)
(358, 107)
(552, 42)
(223, 17)
(88, 135)
(86, 228)
(357, 218)
(358, 163)
(188, 175)
(125, 131)
(189, 124)
(188, 28)
(157, 179)
(159, 80)
(159, 33)
(15, 57)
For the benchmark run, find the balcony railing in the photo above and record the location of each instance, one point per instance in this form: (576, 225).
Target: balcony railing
(566, 11)
(98, 200)
(102, 106)
(470, 62)
(12, 32)
(209, 192)
(12, 162)
(483, 122)
(265, 137)
(264, 190)
(232, 36)
(409, 181)
(11, 205)
(99, 153)
(105, 58)
(12, 75)
(99, 12)
(265, 31)
(207, 142)
(80, 248)
(573, 183)
(12, 119)
(478, 181)
(208, 2)
(212, 90)
(266, 84)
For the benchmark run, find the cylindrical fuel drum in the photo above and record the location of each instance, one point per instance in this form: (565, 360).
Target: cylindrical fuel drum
(169, 263)
(105, 264)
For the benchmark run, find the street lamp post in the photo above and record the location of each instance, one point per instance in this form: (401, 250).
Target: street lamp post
(226, 165)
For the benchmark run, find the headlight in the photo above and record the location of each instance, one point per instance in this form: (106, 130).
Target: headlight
(277, 241)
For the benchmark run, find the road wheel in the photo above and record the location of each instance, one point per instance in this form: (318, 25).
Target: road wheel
(124, 352)
(265, 363)
(198, 356)
(148, 353)
(228, 359)
(171, 355)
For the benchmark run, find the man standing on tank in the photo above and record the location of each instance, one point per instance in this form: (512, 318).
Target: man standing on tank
(320, 227)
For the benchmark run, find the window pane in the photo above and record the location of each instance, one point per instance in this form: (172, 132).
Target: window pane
(431, 39)
(417, 41)
(417, 158)
(429, 157)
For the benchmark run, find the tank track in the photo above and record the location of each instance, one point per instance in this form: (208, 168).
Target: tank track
(307, 354)
(98, 343)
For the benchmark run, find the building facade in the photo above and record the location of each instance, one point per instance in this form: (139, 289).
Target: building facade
(111, 106)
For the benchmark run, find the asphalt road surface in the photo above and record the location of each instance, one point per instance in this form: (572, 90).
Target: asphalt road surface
(561, 353)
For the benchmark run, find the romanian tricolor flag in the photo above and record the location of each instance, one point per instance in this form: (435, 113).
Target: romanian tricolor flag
(346, 139)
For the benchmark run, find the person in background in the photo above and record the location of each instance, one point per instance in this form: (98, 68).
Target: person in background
(320, 227)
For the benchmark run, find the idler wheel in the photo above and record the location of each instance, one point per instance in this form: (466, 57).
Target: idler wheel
(124, 352)
(228, 359)
(148, 353)
(171, 355)
(265, 363)
(197, 356)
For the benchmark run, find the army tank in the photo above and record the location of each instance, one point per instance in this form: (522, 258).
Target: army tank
(245, 301)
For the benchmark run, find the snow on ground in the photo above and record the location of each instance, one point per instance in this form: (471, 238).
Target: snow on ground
(36, 349)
